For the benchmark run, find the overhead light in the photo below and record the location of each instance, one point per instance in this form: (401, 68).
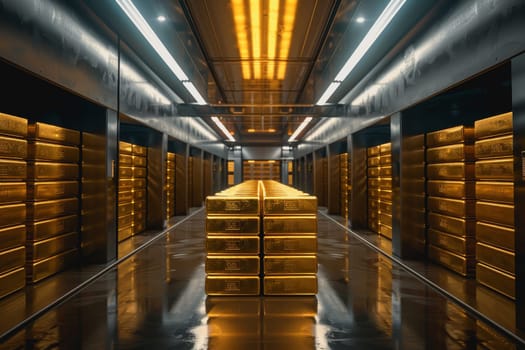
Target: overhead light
(221, 126)
(161, 18)
(377, 28)
(142, 25)
(299, 129)
(360, 19)
(288, 25)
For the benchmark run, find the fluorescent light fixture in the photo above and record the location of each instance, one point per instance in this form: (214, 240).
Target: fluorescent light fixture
(299, 129)
(329, 91)
(375, 31)
(221, 126)
(360, 19)
(142, 25)
(161, 18)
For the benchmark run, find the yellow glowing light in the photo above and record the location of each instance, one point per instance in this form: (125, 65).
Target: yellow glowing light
(241, 28)
(273, 29)
(251, 130)
(251, 161)
(271, 130)
(255, 22)
(290, 8)
(271, 161)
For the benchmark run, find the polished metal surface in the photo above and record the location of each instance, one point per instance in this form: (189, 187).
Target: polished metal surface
(52, 171)
(12, 281)
(497, 235)
(12, 236)
(52, 190)
(451, 153)
(51, 152)
(494, 147)
(496, 279)
(13, 170)
(11, 147)
(12, 192)
(493, 126)
(13, 125)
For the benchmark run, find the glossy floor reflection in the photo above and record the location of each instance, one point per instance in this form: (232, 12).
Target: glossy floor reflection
(156, 300)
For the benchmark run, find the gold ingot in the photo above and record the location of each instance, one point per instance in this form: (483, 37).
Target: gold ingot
(290, 205)
(139, 195)
(232, 265)
(373, 151)
(12, 258)
(138, 227)
(13, 148)
(385, 230)
(385, 195)
(124, 233)
(459, 245)
(37, 271)
(451, 189)
(233, 307)
(52, 171)
(51, 152)
(501, 259)
(385, 207)
(413, 156)
(290, 285)
(373, 182)
(385, 160)
(13, 170)
(125, 147)
(499, 236)
(51, 209)
(125, 221)
(413, 186)
(463, 208)
(232, 285)
(374, 171)
(42, 131)
(290, 265)
(413, 171)
(385, 219)
(385, 183)
(138, 183)
(452, 153)
(171, 157)
(225, 333)
(373, 161)
(12, 125)
(12, 214)
(497, 169)
(139, 150)
(495, 147)
(37, 250)
(217, 205)
(455, 262)
(12, 236)
(139, 205)
(125, 197)
(52, 190)
(124, 209)
(12, 281)
(232, 225)
(125, 185)
(278, 225)
(497, 280)
(385, 148)
(125, 172)
(53, 227)
(502, 192)
(457, 134)
(450, 171)
(290, 245)
(285, 307)
(456, 226)
(139, 161)
(232, 245)
(125, 159)
(496, 125)
(12, 192)
(496, 213)
(385, 171)
(139, 216)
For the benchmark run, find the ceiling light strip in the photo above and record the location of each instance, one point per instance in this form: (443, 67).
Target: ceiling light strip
(255, 22)
(290, 9)
(301, 127)
(375, 31)
(221, 126)
(239, 18)
(273, 29)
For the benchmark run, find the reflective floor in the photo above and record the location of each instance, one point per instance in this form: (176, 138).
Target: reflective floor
(156, 300)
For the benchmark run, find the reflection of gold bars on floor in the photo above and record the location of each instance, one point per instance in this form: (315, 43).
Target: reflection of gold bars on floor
(290, 265)
(234, 265)
(232, 225)
(497, 280)
(290, 245)
(290, 285)
(493, 126)
(232, 245)
(232, 285)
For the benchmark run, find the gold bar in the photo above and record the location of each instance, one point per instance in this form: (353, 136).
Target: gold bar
(496, 235)
(452, 153)
(53, 227)
(125, 184)
(450, 171)
(232, 265)
(12, 258)
(52, 152)
(13, 148)
(385, 183)
(125, 159)
(290, 265)
(290, 205)
(124, 233)
(502, 192)
(452, 225)
(233, 307)
(12, 280)
(125, 209)
(11, 125)
(285, 307)
(232, 285)
(138, 183)
(385, 148)
(385, 171)
(373, 161)
(125, 147)
(290, 285)
(139, 161)
(495, 213)
(463, 208)
(139, 205)
(374, 171)
(385, 230)
(51, 209)
(451, 189)
(12, 192)
(52, 171)
(464, 246)
(385, 160)
(493, 126)
(290, 245)
(385, 207)
(413, 172)
(495, 147)
(171, 157)
(139, 195)
(42, 131)
(52, 190)
(125, 172)
(501, 259)
(373, 151)
(13, 170)
(232, 205)
(413, 186)
(385, 219)
(38, 250)
(139, 150)
(385, 195)
(12, 236)
(138, 227)
(47, 267)
(457, 263)
(232, 225)
(232, 245)
(456, 134)
(497, 280)
(125, 197)
(125, 221)
(497, 169)
(373, 182)
(12, 214)
(277, 225)
(373, 226)
(413, 156)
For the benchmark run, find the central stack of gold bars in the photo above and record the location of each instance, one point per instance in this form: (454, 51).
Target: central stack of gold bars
(261, 230)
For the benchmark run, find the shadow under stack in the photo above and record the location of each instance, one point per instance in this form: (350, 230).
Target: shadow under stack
(450, 202)
(495, 232)
(53, 202)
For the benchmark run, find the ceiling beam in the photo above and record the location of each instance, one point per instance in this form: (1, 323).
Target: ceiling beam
(250, 110)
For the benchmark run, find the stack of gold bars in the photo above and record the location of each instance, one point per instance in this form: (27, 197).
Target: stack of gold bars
(170, 184)
(385, 190)
(139, 158)
(346, 187)
(288, 235)
(451, 217)
(373, 187)
(13, 172)
(53, 203)
(495, 246)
